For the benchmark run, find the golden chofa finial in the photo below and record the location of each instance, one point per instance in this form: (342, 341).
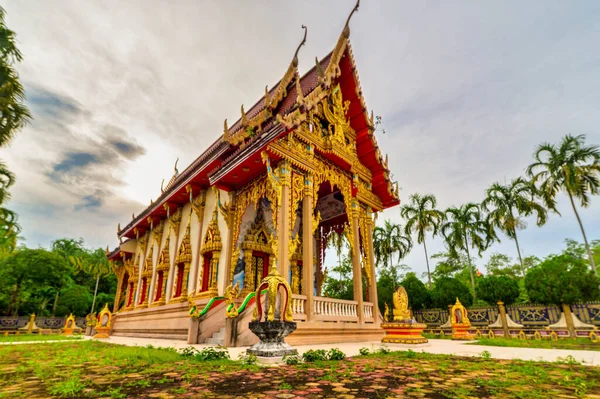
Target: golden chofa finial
(295, 59)
(226, 133)
(176, 171)
(319, 69)
(346, 31)
(119, 228)
(133, 216)
(107, 251)
(244, 118)
(267, 99)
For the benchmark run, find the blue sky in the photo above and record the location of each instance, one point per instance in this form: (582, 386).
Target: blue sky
(466, 90)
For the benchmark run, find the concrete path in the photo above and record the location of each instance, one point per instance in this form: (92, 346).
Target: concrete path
(438, 346)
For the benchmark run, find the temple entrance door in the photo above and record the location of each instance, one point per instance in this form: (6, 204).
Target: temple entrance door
(260, 267)
(179, 288)
(206, 272)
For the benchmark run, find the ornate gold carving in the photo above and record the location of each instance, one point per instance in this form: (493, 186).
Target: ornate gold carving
(401, 311)
(230, 294)
(386, 313)
(212, 246)
(199, 203)
(226, 208)
(272, 282)
(175, 220)
(316, 221)
(293, 245)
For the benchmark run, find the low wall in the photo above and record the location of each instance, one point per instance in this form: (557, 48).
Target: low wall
(170, 321)
(46, 323)
(531, 316)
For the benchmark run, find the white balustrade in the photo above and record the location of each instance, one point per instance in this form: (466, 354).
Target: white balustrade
(330, 309)
(299, 306)
(368, 311)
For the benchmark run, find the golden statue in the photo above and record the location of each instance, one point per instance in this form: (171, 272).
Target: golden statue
(231, 292)
(272, 282)
(460, 322)
(401, 311)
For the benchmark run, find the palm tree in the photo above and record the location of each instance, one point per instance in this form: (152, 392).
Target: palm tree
(337, 241)
(421, 217)
(7, 179)
(389, 240)
(96, 264)
(507, 203)
(466, 227)
(9, 230)
(572, 167)
(13, 114)
(71, 251)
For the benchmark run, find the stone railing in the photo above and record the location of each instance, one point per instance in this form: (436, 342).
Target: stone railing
(368, 312)
(298, 307)
(329, 309)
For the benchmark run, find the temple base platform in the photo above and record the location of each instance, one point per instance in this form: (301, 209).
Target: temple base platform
(461, 333)
(102, 332)
(405, 333)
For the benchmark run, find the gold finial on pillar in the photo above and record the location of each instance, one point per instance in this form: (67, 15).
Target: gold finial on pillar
(244, 118)
(346, 31)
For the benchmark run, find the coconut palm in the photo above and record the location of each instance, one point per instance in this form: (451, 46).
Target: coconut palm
(422, 216)
(507, 203)
(9, 230)
(466, 227)
(337, 241)
(96, 264)
(572, 167)
(13, 114)
(389, 240)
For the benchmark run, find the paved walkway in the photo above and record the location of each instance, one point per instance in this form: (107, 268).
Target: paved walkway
(438, 346)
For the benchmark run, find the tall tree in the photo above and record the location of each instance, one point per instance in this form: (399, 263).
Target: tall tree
(336, 241)
(71, 251)
(96, 264)
(388, 241)
(13, 113)
(572, 167)
(466, 227)
(506, 205)
(421, 217)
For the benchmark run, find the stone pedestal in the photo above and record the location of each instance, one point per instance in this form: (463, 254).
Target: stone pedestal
(102, 332)
(271, 335)
(461, 332)
(406, 332)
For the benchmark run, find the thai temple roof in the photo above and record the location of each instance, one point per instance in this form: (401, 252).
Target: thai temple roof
(233, 159)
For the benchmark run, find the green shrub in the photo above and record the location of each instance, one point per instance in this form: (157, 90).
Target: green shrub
(206, 354)
(411, 354)
(335, 354)
(312, 355)
(247, 359)
(419, 296)
(498, 288)
(383, 350)
(291, 359)
(447, 289)
(364, 351)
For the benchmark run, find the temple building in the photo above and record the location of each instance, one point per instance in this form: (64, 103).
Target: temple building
(297, 166)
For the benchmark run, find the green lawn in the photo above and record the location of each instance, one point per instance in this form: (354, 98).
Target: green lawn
(563, 343)
(37, 337)
(90, 369)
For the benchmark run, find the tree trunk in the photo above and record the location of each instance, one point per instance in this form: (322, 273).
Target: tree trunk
(519, 252)
(427, 261)
(95, 292)
(55, 303)
(587, 245)
(13, 300)
(470, 268)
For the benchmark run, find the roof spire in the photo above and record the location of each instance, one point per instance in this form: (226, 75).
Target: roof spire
(295, 59)
(346, 31)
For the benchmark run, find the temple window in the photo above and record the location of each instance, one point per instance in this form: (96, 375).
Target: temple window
(210, 253)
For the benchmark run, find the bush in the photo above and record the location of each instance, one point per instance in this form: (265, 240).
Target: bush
(498, 288)
(312, 355)
(335, 354)
(447, 289)
(384, 350)
(291, 359)
(206, 354)
(364, 351)
(419, 296)
(561, 279)
(247, 359)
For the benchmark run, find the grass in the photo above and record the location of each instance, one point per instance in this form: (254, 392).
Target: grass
(37, 337)
(563, 343)
(90, 369)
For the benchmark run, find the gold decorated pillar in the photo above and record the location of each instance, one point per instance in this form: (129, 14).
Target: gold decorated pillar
(283, 216)
(356, 266)
(228, 212)
(308, 229)
(248, 273)
(118, 293)
(198, 204)
(371, 264)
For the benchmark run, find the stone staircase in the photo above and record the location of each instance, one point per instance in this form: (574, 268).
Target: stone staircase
(217, 338)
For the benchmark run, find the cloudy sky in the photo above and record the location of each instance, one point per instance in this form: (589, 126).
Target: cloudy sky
(466, 90)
